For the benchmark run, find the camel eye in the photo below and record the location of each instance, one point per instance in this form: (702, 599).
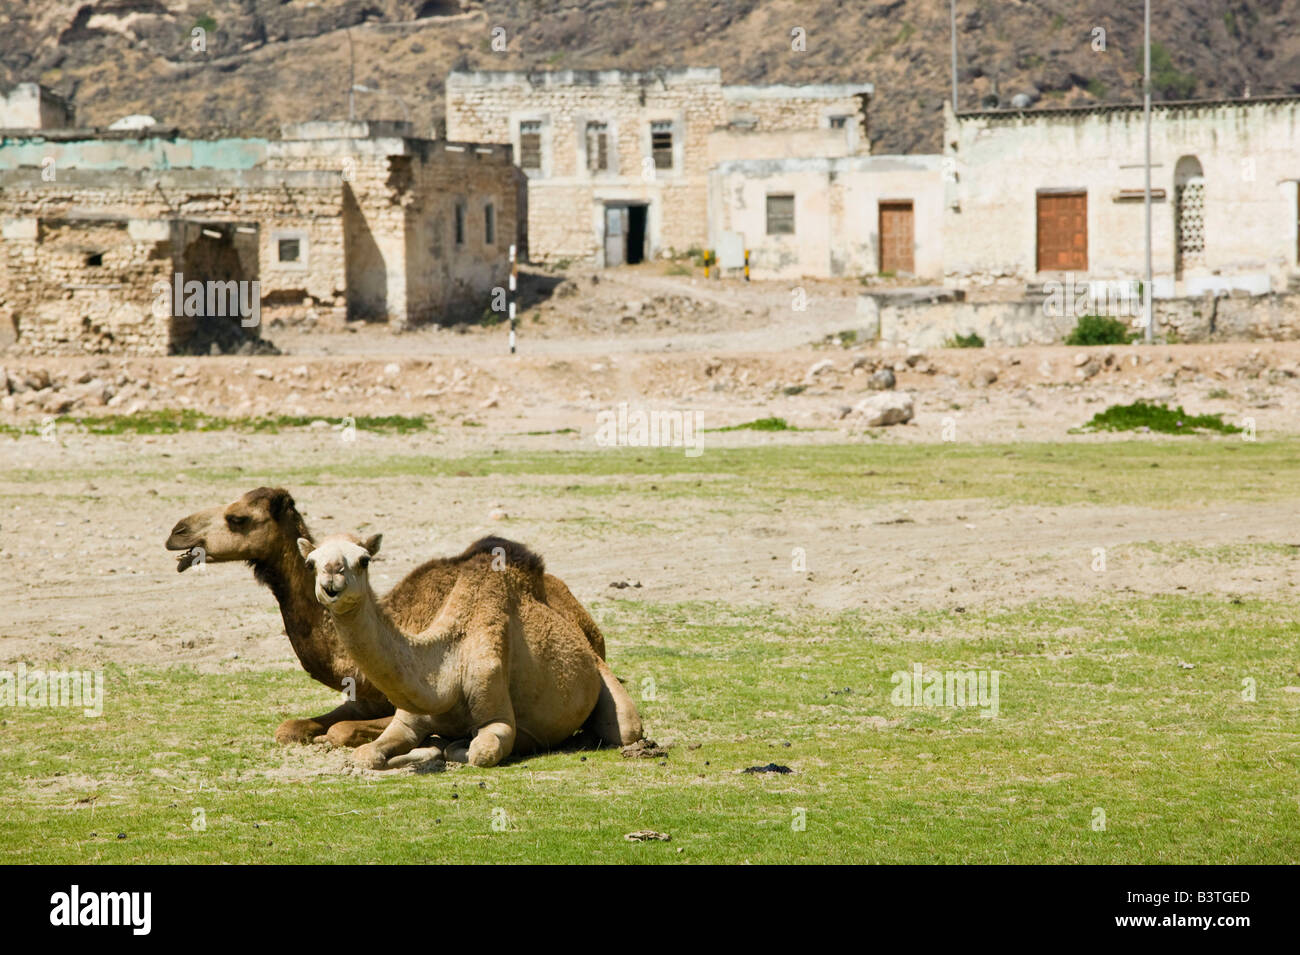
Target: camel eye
(364, 562)
(311, 565)
(236, 521)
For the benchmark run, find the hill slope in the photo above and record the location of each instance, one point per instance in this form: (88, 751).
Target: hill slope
(273, 61)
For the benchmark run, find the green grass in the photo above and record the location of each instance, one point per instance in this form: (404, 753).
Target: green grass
(761, 424)
(174, 421)
(972, 340)
(1140, 473)
(1157, 417)
(1096, 711)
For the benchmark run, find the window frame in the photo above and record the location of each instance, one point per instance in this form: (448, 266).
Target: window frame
(768, 217)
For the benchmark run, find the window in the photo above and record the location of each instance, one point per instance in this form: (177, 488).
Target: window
(780, 215)
(460, 223)
(597, 147)
(95, 260)
(489, 224)
(838, 122)
(661, 143)
(290, 250)
(530, 145)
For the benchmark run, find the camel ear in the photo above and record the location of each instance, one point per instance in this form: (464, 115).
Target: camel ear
(304, 547)
(371, 544)
(281, 503)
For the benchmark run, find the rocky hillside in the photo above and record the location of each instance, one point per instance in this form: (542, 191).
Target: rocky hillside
(264, 62)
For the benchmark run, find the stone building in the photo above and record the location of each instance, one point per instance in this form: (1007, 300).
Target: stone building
(32, 106)
(148, 242)
(1037, 195)
(618, 162)
(850, 215)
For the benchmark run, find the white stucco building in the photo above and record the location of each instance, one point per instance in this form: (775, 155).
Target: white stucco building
(1033, 195)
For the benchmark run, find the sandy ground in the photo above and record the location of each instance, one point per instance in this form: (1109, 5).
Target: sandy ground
(90, 581)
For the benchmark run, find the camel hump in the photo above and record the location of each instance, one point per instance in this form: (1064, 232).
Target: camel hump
(515, 554)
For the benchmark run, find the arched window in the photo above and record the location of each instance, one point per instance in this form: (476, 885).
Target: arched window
(1189, 210)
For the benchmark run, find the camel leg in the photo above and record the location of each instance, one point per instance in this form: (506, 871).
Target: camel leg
(352, 733)
(491, 711)
(404, 733)
(614, 720)
(305, 731)
(433, 750)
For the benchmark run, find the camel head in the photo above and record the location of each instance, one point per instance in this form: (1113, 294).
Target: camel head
(341, 564)
(256, 527)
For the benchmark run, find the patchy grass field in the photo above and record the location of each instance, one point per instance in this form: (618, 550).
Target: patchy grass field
(1112, 700)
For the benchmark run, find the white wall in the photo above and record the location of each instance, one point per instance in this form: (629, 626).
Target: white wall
(836, 212)
(1249, 152)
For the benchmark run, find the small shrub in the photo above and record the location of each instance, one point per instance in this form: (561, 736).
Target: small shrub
(762, 424)
(1099, 330)
(1142, 415)
(965, 341)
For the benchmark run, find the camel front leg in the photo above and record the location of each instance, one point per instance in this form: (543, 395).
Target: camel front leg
(404, 733)
(353, 711)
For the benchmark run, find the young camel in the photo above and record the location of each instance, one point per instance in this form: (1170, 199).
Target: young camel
(497, 665)
(262, 527)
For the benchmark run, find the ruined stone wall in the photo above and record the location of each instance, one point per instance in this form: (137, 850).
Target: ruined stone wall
(129, 219)
(785, 108)
(447, 280)
(565, 196)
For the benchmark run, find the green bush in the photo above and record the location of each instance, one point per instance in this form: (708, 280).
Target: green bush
(965, 341)
(1153, 417)
(1099, 330)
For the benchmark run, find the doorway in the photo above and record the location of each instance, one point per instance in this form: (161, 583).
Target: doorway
(1062, 231)
(625, 233)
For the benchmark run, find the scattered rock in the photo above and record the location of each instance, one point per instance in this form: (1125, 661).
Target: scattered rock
(648, 835)
(985, 376)
(883, 410)
(770, 768)
(822, 366)
(881, 380)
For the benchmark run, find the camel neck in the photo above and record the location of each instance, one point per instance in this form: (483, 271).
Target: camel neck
(385, 654)
(305, 621)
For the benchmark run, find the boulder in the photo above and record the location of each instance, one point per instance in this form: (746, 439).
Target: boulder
(882, 380)
(883, 410)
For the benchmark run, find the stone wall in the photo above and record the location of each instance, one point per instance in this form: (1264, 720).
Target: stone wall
(566, 198)
(82, 255)
(1237, 317)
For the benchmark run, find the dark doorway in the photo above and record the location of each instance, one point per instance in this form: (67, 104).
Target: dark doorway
(625, 228)
(636, 216)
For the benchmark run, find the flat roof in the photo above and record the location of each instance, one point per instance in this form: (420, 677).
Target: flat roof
(1162, 105)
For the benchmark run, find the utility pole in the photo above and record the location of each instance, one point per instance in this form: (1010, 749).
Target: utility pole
(1148, 291)
(952, 7)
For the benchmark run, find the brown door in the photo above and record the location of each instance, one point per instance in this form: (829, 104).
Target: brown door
(1062, 232)
(897, 237)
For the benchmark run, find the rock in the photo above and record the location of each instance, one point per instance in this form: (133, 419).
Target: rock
(822, 366)
(914, 356)
(37, 380)
(1090, 368)
(881, 380)
(497, 514)
(7, 403)
(264, 373)
(985, 376)
(1081, 359)
(883, 410)
(392, 368)
(647, 835)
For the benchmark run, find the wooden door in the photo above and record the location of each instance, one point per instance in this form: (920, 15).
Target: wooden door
(897, 237)
(1062, 232)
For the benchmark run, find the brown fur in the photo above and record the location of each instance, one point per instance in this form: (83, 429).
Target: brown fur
(266, 525)
(497, 664)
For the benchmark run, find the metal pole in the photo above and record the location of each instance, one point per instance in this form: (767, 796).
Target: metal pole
(351, 78)
(953, 10)
(1149, 292)
(514, 273)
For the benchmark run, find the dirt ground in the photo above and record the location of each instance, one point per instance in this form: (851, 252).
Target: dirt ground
(90, 580)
